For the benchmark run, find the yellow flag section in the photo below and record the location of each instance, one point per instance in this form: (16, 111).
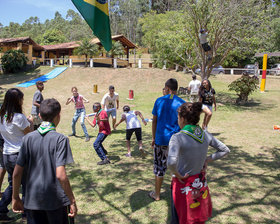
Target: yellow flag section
(102, 6)
(96, 14)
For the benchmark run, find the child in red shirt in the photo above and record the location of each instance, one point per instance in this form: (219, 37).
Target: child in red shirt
(100, 118)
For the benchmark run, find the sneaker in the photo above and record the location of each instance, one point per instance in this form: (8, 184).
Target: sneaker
(71, 135)
(105, 151)
(5, 219)
(128, 155)
(104, 162)
(87, 139)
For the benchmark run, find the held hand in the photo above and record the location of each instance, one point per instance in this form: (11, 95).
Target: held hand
(73, 210)
(17, 206)
(181, 178)
(144, 122)
(30, 119)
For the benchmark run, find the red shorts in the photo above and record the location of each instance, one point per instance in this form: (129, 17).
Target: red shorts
(192, 199)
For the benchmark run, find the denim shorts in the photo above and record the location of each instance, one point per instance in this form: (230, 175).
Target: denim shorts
(112, 112)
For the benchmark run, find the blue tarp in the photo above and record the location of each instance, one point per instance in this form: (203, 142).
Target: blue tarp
(50, 75)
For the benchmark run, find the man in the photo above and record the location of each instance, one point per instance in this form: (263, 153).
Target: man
(165, 124)
(193, 89)
(110, 102)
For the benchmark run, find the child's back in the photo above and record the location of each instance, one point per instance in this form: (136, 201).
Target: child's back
(40, 155)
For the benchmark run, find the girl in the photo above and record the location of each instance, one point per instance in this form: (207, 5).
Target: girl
(207, 97)
(80, 111)
(132, 125)
(187, 160)
(13, 126)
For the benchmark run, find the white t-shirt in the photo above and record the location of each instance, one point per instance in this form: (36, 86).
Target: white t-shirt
(203, 38)
(194, 85)
(12, 133)
(109, 102)
(131, 120)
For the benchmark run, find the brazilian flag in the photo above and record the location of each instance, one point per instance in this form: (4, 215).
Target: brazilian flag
(96, 14)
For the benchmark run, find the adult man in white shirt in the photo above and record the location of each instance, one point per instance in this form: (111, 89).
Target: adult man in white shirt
(194, 89)
(110, 102)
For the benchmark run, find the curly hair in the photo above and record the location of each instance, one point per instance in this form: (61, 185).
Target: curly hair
(190, 112)
(201, 88)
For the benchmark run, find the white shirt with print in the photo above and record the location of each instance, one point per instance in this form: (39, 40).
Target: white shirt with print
(110, 102)
(194, 86)
(131, 120)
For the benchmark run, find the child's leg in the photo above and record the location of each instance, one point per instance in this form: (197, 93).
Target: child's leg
(129, 133)
(83, 114)
(99, 147)
(128, 147)
(138, 133)
(74, 120)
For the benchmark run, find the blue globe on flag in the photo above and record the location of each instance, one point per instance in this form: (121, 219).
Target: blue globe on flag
(102, 1)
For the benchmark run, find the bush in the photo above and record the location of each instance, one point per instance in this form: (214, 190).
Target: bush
(243, 87)
(13, 61)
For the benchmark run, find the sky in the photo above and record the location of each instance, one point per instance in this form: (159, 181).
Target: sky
(19, 10)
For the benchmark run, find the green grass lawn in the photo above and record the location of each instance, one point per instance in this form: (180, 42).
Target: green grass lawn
(244, 185)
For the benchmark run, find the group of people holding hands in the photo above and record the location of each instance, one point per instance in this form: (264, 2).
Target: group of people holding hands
(36, 160)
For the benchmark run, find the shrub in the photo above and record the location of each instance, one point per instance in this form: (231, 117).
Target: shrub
(243, 87)
(13, 61)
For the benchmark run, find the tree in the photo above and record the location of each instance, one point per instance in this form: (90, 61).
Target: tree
(53, 36)
(13, 61)
(88, 49)
(243, 87)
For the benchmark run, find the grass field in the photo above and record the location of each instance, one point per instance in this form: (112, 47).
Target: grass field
(244, 185)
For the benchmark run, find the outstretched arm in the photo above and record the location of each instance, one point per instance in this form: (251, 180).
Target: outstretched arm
(141, 116)
(121, 120)
(92, 124)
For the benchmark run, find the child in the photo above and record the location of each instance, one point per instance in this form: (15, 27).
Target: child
(37, 99)
(100, 118)
(204, 43)
(42, 159)
(80, 111)
(187, 160)
(13, 126)
(207, 97)
(2, 167)
(132, 125)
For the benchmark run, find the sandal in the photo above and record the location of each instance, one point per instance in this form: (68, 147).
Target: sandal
(128, 155)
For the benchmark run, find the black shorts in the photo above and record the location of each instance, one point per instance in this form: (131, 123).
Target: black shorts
(206, 47)
(138, 133)
(58, 216)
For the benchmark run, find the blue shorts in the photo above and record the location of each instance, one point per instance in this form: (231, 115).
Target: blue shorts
(112, 112)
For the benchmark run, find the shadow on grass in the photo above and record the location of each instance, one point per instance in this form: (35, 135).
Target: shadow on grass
(247, 182)
(229, 100)
(20, 77)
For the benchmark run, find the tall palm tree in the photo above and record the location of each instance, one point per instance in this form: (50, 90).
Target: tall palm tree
(88, 49)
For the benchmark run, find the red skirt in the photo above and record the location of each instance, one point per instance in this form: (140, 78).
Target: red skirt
(192, 199)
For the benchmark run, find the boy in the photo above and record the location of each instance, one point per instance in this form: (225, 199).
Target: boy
(110, 102)
(42, 159)
(204, 43)
(132, 125)
(100, 118)
(37, 99)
